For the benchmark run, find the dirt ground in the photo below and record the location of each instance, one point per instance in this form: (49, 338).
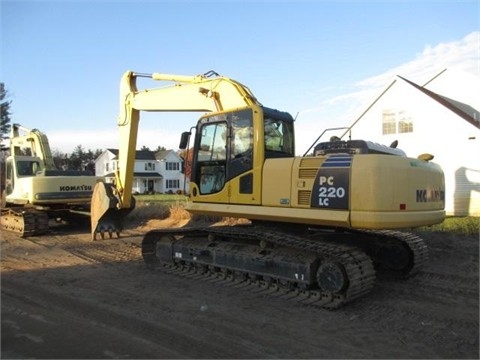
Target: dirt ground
(63, 296)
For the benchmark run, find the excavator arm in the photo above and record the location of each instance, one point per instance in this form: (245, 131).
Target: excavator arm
(201, 93)
(33, 139)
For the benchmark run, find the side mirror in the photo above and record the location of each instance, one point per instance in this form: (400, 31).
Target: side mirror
(184, 140)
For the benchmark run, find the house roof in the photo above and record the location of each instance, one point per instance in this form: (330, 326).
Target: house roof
(162, 154)
(465, 111)
(139, 154)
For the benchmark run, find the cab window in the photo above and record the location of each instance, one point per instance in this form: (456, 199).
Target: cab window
(211, 157)
(27, 167)
(278, 138)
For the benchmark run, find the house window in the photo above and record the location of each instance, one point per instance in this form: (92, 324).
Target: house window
(394, 120)
(389, 124)
(172, 184)
(106, 167)
(405, 122)
(172, 166)
(149, 166)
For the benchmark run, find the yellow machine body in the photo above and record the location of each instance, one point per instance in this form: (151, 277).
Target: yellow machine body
(45, 187)
(371, 192)
(346, 188)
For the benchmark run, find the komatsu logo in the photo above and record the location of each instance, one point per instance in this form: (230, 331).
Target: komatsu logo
(430, 195)
(76, 188)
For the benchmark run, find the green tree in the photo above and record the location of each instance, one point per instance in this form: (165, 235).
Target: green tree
(75, 159)
(60, 159)
(159, 148)
(146, 148)
(89, 159)
(5, 113)
(81, 159)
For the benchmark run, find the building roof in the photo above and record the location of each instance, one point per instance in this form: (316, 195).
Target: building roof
(465, 111)
(162, 154)
(139, 154)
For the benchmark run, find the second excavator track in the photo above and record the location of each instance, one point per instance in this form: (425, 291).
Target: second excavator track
(344, 273)
(24, 222)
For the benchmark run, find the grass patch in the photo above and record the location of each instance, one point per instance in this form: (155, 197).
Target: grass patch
(160, 199)
(467, 225)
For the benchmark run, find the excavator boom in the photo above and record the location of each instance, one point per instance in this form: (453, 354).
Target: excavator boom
(33, 139)
(201, 93)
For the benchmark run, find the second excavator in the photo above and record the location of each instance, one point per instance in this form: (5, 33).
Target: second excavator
(320, 225)
(35, 191)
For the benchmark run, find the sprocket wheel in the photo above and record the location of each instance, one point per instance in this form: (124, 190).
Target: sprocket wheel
(332, 277)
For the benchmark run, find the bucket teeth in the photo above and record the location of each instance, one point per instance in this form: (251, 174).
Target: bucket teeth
(103, 230)
(106, 214)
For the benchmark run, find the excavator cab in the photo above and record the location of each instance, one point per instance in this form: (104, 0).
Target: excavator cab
(27, 167)
(230, 149)
(18, 167)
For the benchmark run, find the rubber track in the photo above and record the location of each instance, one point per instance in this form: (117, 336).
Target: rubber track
(359, 268)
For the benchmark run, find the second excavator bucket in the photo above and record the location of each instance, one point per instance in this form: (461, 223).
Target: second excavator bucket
(105, 215)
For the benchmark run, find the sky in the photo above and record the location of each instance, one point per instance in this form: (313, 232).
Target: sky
(322, 61)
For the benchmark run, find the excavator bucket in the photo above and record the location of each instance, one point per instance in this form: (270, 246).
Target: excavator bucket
(105, 216)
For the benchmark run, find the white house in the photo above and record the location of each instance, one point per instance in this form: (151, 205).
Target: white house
(171, 169)
(159, 172)
(441, 118)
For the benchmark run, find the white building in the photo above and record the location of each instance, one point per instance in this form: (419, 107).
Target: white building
(441, 118)
(159, 172)
(171, 169)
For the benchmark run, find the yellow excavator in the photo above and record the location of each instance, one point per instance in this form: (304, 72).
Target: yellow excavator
(320, 225)
(34, 190)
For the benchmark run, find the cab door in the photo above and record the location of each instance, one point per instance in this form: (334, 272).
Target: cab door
(223, 168)
(210, 163)
(240, 162)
